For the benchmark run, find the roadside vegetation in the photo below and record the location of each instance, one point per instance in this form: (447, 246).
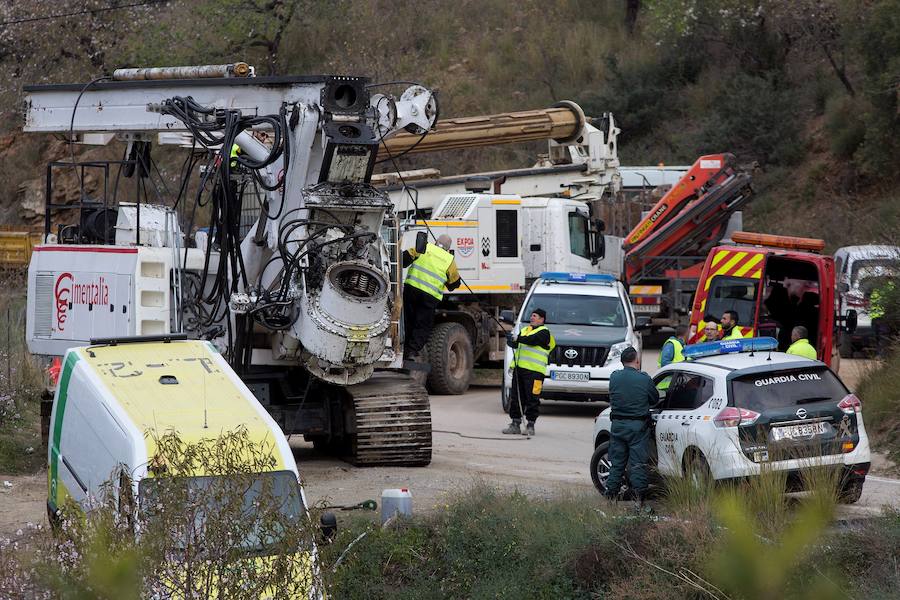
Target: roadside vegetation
(719, 542)
(21, 383)
(747, 542)
(804, 90)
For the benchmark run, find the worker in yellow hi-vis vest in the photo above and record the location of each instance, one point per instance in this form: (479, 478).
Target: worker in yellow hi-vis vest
(531, 354)
(430, 268)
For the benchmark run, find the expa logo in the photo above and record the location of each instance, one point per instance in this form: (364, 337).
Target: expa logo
(465, 246)
(68, 294)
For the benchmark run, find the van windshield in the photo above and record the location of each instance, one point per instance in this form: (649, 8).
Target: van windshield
(577, 309)
(783, 389)
(264, 504)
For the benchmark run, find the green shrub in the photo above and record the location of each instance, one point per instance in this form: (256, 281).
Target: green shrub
(846, 131)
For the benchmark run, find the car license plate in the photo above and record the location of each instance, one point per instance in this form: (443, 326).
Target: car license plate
(570, 376)
(645, 308)
(795, 432)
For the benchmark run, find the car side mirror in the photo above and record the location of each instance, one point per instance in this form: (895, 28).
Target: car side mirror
(597, 240)
(851, 321)
(328, 527)
(642, 323)
(508, 316)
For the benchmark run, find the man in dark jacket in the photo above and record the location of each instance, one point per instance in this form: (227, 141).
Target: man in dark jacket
(631, 394)
(531, 353)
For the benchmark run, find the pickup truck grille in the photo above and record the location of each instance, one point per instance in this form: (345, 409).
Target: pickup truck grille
(579, 356)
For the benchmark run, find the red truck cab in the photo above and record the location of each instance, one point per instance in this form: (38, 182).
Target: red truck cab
(774, 283)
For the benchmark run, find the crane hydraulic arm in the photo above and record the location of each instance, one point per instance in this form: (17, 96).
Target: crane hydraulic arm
(689, 219)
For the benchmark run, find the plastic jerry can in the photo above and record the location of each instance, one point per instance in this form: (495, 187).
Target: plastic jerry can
(395, 502)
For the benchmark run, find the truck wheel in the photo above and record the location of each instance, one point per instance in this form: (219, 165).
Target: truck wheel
(451, 358)
(504, 399)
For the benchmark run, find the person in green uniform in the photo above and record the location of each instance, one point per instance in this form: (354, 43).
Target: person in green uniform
(531, 354)
(730, 328)
(631, 394)
(800, 345)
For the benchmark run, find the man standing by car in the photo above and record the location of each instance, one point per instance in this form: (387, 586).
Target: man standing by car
(531, 353)
(800, 345)
(631, 394)
(730, 328)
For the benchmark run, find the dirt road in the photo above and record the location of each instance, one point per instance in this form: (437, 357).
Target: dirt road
(554, 462)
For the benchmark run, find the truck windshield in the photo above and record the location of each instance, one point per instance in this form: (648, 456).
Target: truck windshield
(733, 293)
(782, 389)
(572, 309)
(269, 504)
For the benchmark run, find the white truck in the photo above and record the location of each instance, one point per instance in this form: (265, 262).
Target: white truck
(502, 243)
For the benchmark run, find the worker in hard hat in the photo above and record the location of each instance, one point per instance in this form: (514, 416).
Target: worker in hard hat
(800, 345)
(431, 268)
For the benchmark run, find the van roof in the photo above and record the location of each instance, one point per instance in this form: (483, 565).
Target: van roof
(180, 386)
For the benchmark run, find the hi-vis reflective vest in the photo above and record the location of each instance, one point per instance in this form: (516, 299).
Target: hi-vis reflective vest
(803, 348)
(736, 334)
(235, 151)
(533, 358)
(429, 271)
(678, 346)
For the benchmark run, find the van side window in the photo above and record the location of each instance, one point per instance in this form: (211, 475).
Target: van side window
(688, 392)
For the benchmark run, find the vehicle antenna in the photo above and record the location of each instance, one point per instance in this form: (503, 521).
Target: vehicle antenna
(205, 422)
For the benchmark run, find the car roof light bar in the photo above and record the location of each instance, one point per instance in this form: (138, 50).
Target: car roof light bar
(563, 277)
(730, 347)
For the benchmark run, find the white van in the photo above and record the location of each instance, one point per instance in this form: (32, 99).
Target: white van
(859, 269)
(112, 398)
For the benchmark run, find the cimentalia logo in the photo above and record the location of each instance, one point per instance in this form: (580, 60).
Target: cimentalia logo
(68, 293)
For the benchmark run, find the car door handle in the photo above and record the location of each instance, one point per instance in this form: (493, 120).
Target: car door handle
(685, 424)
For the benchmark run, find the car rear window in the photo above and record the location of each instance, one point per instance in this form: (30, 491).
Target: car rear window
(780, 389)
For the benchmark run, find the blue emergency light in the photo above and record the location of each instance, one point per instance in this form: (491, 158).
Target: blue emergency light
(756, 344)
(563, 277)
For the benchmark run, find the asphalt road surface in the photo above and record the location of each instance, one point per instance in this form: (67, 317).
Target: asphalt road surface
(468, 449)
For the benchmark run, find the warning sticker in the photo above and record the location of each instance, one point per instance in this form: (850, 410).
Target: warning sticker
(710, 164)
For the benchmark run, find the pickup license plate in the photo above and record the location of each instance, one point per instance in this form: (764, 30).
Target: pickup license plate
(570, 376)
(799, 432)
(645, 308)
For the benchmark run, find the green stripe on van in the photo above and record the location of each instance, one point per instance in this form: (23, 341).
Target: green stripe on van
(61, 397)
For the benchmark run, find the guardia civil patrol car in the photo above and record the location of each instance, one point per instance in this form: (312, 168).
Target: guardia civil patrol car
(735, 408)
(591, 320)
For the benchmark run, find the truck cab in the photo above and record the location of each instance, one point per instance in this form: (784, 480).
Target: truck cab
(774, 283)
(860, 271)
